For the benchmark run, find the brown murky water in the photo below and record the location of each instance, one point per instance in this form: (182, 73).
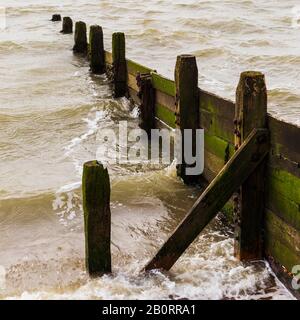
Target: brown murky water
(51, 109)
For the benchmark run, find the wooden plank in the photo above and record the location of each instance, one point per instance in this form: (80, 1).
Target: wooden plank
(133, 95)
(213, 163)
(234, 173)
(163, 84)
(165, 100)
(165, 115)
(219, 147)
(108, 57)
(250, 113)
(282, 241)
(217, 105)
(134, 67)
(285, 139)
(284, 164)
(216, 125)
(287, 210)
(282, 182)
(131, 82)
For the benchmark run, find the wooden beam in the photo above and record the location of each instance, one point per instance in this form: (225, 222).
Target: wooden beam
(119, 64)
(187, 107)
(81, 45)
(234, 173)
(250, 113)
(67, 25)
(96, 50)
(147, 106)
(97, 217)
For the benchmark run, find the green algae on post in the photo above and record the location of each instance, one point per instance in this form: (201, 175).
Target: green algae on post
(97, 217)
(187, 105)
(250, 113)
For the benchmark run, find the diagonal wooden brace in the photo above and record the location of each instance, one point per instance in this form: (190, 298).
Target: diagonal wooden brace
(231, 177)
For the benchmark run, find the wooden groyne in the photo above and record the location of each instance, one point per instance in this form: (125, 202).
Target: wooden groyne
(264, 203)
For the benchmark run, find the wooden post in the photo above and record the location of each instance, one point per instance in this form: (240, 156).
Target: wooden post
(56, 17)
(67, 26)
(97, 217)
(97, 56)
(251, 112)
(119, 64)
(213, 199)
(81, 44)
(187, 105)
(147, 106)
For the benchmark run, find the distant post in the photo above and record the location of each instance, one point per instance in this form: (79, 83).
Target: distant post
(187, 106)
(97, 56)
(97, 218)
(67, 25)
(250, 113)
(81, 44)
(56, 17)
(119, 64)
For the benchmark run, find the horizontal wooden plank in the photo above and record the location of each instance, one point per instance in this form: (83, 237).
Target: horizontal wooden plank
(131, 82)
(217, 126)
(208, 174)
(284, 164)
(282, 241)
(219, 147)
(108, 57)
(134, 67)
(163, 84)
(287, 210)
(217, 105)
(165, 115)
(284, 183)
(165, 100)
(285, 139)
(213, 163)
(133, 95)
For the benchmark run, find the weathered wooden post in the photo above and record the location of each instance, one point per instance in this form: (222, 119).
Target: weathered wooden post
(67, 25)
(147, 106)
(187, 105)
(81, 45)
(97, 217)
(97, 55)
(119, 64)
(56, 17)
(250, 113)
